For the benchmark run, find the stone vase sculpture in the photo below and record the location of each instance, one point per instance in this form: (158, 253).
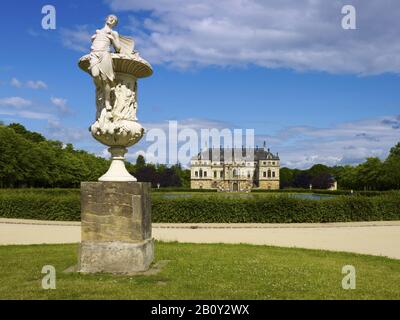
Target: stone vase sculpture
(116, 211)
(116, 84)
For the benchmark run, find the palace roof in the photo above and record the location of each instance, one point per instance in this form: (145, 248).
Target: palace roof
(233, 154)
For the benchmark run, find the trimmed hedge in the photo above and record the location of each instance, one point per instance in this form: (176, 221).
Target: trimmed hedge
(42, 191)
(170, 189)
(213, 208)
(275, 209)
(41, 205)
(55, 191)
(324, 191)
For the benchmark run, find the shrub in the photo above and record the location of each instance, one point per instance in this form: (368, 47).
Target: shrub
(62, 204)
(40, 205)
(275, 209)
(324, 191)
(182, 190)
(42, 191)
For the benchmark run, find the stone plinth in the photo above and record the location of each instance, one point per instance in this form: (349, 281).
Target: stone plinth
(116, 227)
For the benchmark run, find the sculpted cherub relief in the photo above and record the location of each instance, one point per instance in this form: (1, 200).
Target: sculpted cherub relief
(125, 104)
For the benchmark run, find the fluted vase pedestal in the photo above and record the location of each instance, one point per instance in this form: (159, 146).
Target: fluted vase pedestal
(117, 170)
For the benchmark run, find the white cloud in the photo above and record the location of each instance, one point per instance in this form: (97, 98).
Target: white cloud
(32, 84)
(78, 39)
(301, 146)
(36, 84)
(34, 115)
(26, 114)
(57, 130)
(345, 143)
(18, 107)
(16, 102)
(16, 83)
(104, 153)
(61, 104)
(33, 33)
(190, 123)
(296, 34)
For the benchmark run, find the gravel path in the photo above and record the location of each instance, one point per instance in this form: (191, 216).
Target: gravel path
(375, 238)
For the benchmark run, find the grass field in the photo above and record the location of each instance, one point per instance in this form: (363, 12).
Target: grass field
(209, 271)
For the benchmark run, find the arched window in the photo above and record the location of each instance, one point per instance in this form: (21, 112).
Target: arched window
(196, 173)
(201, 173)
(269, 173)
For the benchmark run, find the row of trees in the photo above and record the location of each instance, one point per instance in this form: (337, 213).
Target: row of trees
(27, 159)
(373, 174)
(319, 176)
(161, 175)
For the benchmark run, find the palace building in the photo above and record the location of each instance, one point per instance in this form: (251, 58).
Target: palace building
(235, 169)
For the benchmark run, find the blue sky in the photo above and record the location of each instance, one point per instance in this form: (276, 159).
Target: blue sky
(287, 69)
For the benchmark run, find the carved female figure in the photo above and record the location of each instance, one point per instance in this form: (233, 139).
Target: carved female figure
(101, 66)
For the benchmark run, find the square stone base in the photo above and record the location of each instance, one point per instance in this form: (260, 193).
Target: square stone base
(115, 257)
(116, 227)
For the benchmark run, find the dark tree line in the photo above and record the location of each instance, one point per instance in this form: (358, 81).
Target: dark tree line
(161, 175)
(319, 176)
(27, 159)
(373, 174)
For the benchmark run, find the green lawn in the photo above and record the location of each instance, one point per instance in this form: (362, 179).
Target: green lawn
(206, 271)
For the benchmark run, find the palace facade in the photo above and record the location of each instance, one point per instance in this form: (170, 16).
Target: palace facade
(236, 169)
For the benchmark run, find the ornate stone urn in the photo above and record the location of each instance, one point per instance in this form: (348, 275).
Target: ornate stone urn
(115, 211)
(116, 123)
